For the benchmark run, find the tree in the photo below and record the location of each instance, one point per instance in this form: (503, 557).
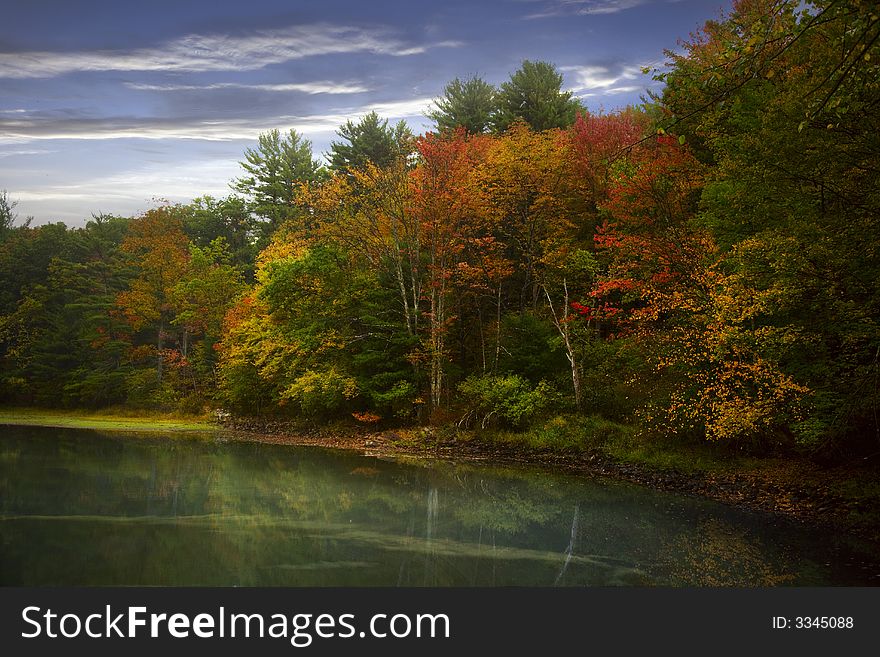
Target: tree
(160, 248)
(469, 105)
(275, 169)
(208, 219)
(58, 340)
(370, 140)
(8, 216)
(783, 97)
(534, 94)
(209, 286)
(446, 200)
(370, 213)
(527, 193)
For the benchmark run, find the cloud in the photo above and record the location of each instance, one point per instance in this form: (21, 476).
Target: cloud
(33, 151)
(174, 182)
(128, 192)
(587, 7)
(197, 53)
(321, 87)
(603, 77)
(37, 127)
(608, 6)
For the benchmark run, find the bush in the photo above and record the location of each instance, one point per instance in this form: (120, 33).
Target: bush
(399, 399)
(578, 433)
(509, 400)
(320, 392)
(144, 390)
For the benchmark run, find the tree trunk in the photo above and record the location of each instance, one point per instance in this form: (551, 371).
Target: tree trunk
(562, 325)
(160, 343)
(497, 328)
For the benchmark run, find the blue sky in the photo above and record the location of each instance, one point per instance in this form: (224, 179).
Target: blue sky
(108, 105)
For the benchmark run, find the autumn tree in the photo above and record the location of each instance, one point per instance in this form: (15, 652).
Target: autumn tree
(447, 202)
(370, 213)
(524, 185)
(160, 250)
(782, 98)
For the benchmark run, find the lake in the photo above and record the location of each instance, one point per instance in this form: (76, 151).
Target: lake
(80, 507)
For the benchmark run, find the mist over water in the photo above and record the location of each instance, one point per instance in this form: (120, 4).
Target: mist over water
(80, 507)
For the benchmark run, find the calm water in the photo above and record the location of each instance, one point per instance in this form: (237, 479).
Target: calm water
(82, 507)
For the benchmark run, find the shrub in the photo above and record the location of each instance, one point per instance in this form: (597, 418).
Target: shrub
(509, 400)
(320, 392)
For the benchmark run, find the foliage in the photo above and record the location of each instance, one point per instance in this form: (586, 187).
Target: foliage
(208, 219)
(469, 105)
(320, 392)
(370, 140)
(534, 95)
(705, 266)
(782, 98)
(273, 171)
(506, 399)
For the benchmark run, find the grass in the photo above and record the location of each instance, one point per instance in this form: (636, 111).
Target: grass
(111, 419)
(570, 434)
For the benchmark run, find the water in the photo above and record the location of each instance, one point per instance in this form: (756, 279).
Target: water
(80, 507)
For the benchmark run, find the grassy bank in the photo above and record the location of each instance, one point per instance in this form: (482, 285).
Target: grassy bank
(112, 420)
(573, 437)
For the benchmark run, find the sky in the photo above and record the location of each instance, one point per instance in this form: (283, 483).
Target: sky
(110, 106)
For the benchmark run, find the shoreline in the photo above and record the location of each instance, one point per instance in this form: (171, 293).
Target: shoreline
(841, 497)
(799, 496)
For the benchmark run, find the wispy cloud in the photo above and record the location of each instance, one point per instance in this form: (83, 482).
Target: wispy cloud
(219, 52)
(585, 7)
(33, 151)
(39, 127)
(175, 182)
(608, 6)
(303, 87)
(602, 77)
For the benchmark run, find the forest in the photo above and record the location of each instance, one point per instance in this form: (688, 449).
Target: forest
(703, 266)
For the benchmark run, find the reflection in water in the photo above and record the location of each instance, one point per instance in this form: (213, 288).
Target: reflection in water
(78, 507)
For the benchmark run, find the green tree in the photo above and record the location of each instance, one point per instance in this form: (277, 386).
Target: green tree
(534, 95)
(274, 171)
(59, 343)
(8, 216)
(208, 288)
(369, 140)
(469, 105)
(208, 219)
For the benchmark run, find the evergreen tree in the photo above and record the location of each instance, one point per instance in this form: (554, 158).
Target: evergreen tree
(534, 94)
(274, 170)
(469, 105)
(369, 140)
